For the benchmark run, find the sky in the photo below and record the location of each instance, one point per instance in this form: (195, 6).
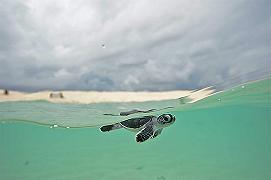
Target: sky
(129, 45)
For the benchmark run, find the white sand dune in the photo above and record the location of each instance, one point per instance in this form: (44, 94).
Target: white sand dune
(87, 97)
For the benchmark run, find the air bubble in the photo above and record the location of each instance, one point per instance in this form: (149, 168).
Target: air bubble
(54, 126)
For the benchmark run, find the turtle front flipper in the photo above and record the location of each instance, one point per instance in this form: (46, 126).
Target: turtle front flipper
(144, 134)
(110, 127)
(157, 132)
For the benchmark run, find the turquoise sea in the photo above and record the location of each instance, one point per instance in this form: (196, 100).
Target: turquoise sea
(226, 136)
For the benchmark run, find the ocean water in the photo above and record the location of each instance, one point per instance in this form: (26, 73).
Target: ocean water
(225, 136)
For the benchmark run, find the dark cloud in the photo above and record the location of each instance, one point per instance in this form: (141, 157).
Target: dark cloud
(95, 81)
(148, 46)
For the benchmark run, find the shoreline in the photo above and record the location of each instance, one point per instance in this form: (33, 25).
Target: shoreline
(88, 97)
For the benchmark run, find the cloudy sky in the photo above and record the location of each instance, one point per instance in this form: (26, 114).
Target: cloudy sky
(148, 45)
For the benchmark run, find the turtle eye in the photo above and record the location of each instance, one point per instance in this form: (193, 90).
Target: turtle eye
(167, 118)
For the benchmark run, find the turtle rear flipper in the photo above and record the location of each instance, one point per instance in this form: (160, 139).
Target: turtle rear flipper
(144, 134)
(110, 127)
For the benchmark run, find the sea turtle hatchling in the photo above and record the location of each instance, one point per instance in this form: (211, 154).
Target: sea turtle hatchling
(147, 127)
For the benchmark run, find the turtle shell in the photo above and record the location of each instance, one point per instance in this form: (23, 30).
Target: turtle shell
(135, 123)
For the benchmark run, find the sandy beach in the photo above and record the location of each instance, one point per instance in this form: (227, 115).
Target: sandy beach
(87, 97)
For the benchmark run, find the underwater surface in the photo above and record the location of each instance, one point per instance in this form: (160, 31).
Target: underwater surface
(225, 136)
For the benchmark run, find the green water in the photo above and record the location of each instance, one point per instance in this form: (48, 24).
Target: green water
(226, 136)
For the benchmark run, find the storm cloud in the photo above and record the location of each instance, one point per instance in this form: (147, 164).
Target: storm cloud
(133, 45)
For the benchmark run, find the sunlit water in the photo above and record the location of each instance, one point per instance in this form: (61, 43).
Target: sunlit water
(226, 136)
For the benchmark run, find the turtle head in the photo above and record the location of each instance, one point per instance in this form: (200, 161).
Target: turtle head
(166, 119)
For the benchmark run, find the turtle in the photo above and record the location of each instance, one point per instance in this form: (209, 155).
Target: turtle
(146, 127)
